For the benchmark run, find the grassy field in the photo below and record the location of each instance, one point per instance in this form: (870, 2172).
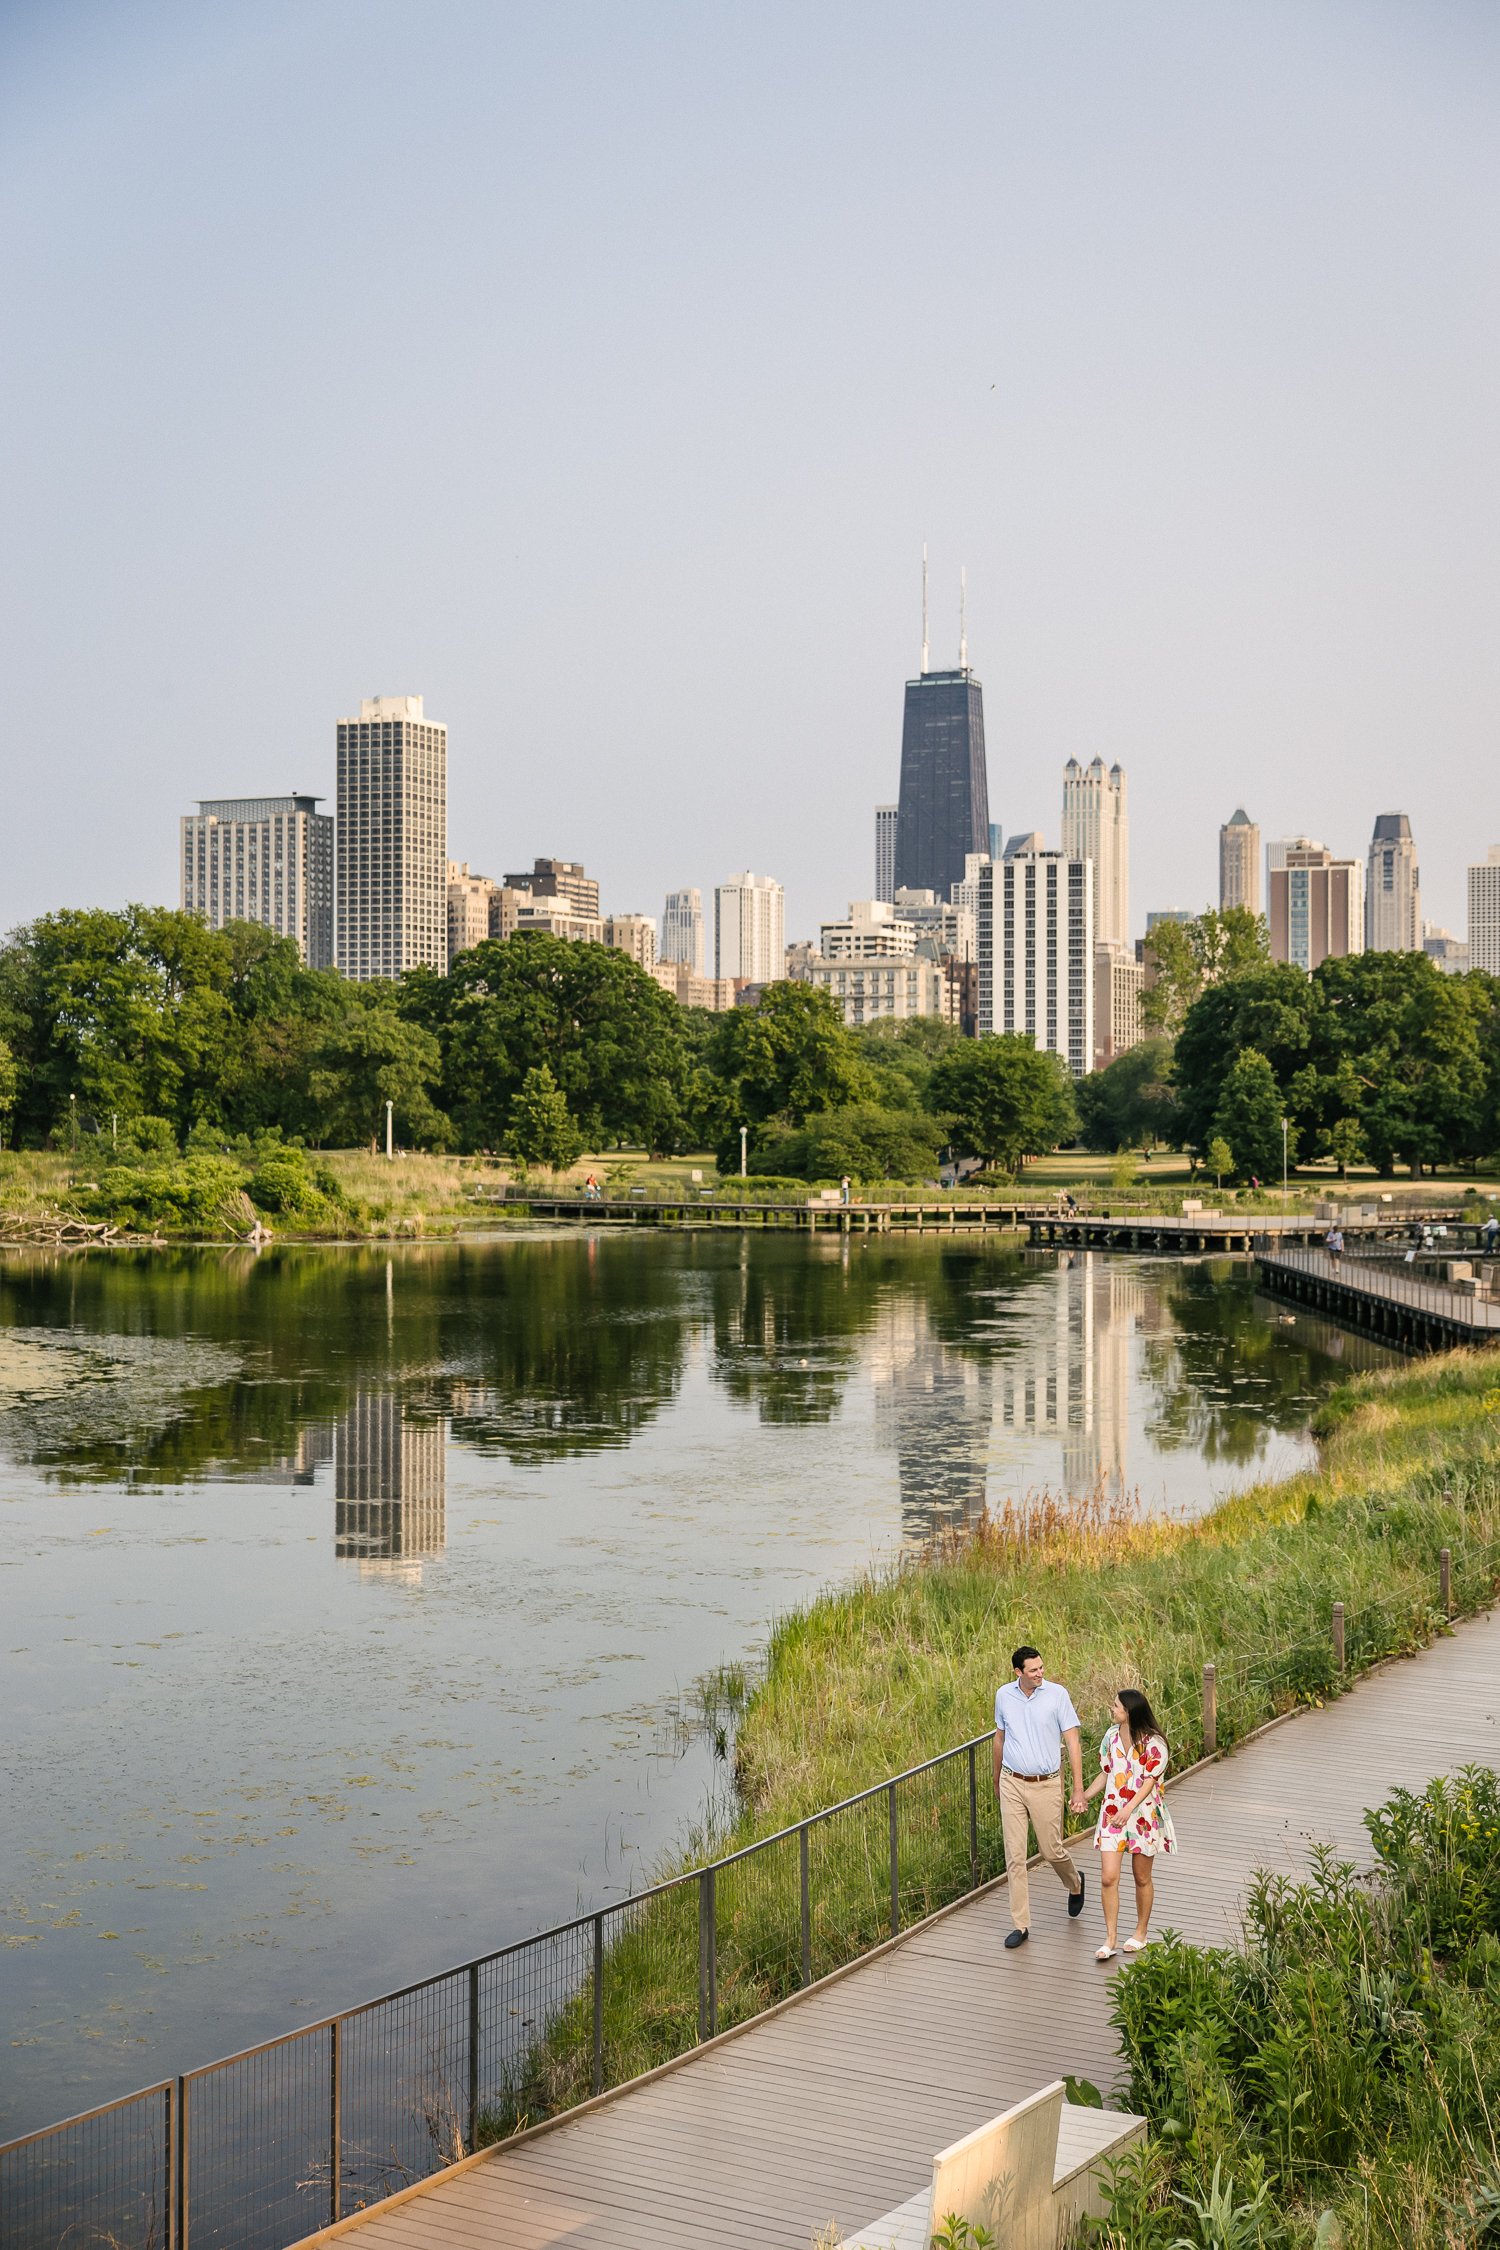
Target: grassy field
(878, 1677)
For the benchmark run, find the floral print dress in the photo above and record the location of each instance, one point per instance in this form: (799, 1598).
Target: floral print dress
(1126, 1769)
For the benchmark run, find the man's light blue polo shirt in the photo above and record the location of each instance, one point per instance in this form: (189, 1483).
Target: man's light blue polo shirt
(1034, 1725)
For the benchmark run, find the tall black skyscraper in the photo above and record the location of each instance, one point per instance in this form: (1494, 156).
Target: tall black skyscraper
(945, 807)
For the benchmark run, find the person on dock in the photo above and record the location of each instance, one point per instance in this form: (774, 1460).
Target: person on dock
(1034, 1717)
(1333, 1242)
(1134, 1816)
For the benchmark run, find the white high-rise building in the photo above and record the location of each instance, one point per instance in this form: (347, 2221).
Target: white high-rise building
(1239, 863)
(1096, 826)
(749, 929)
(871, 931)
(470, 908)
(1036, 952)
(885, 851)
(634, 934)
(1393, 888)
(392, 839)
(1484, 913)
(682, 930)
(262, 859)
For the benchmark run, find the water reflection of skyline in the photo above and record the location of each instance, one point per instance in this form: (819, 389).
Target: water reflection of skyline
(390, 1486)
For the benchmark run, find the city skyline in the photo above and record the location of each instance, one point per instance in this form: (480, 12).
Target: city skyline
(1154, 341)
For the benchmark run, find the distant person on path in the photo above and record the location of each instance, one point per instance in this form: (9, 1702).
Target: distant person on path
(844, 1189)
(1334, 1243)
(1034, 1717)
(1491, 1234)
(591, 1187)
(1134, 1816)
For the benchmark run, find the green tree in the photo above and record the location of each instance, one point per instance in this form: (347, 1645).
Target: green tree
(1271, 1011)
(10, 1080)
(788, 1057)
(541, 1128)
(611, 1037)
(370, 1056)
(1344, 1141)
(900, 1057)
(1219, 1158)
(1003, 1099)
(1183, 959)
(862, 1140)
(1249, 1117)
(1131, 1103)
(1401, 1049)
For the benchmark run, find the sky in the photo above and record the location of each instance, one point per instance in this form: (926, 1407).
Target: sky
(598, 373)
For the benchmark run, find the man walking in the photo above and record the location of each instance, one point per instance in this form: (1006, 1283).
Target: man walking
(1033, 1719)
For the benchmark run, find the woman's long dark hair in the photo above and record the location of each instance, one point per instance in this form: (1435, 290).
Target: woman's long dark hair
(1141, 1717)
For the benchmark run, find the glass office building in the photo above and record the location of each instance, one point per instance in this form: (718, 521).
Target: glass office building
(944, 811)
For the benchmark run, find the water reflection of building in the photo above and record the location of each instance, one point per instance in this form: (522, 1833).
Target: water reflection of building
(1070, 1377)
(933, 1409)
(391, 1485)
(312, 1449)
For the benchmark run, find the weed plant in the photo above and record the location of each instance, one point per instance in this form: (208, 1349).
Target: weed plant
(1336, 2080)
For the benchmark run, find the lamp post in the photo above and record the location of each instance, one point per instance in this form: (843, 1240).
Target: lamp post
(73, 1120)
(744, 1135)
(1283, 1160)
(390, 1149)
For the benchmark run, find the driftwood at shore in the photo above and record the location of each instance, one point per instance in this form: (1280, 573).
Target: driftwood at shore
(68, 1233)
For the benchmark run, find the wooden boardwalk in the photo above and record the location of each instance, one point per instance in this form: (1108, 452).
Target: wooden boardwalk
(832, 2106)
(1386, 1299)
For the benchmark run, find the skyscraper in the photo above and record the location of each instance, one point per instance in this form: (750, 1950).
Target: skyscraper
(1484, 913)
(944, 813)
(749, 932)
(885, 851)
(392, 839)
(262, 859)
(1096, 826)
(1036, 952)
(1393, 901)
(1317, 904)
(1239, 863)
(682, 930)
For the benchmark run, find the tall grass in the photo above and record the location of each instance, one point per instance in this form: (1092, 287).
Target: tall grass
(876, 1679)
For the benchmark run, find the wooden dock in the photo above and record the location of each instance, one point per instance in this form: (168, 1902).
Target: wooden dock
(830, 2107)
(1382, 1298)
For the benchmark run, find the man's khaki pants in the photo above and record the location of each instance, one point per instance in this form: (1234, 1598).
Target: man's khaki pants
(1040, 1803)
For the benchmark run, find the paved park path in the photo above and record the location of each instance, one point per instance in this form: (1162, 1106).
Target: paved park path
(833, 2107)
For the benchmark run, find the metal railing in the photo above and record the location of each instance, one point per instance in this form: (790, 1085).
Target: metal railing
(259, 2149)
(1378, 1271)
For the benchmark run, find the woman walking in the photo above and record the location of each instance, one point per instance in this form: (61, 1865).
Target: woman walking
(1134, 1816)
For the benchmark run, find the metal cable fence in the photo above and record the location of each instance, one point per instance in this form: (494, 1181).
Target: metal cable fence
(265, 2147)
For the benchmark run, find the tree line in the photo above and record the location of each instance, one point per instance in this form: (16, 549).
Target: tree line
(146, 1028)
(150, 1031)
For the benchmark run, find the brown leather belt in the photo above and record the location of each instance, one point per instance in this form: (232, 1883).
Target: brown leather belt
(1054, 1775)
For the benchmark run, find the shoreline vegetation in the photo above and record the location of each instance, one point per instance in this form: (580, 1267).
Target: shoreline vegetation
(870, 1680)
(216, 1196)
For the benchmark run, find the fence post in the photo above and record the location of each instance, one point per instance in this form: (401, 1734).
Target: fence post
(895, 1865)
(183, 2188)
(473, 2057)
(169, 2184)
(973, 1818)
(1210, 1710)
(1338, 1635)
(1445, 1579)
(335, 2129)
(806, 1875)
(708, 1962)
(598, 2072)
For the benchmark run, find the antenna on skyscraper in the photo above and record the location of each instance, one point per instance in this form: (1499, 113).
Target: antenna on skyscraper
(963, 619)
(924, 605)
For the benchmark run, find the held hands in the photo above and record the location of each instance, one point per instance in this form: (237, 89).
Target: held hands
(1078, 1802)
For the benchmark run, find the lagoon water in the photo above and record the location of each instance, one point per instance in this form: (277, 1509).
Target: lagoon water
(350, 1601)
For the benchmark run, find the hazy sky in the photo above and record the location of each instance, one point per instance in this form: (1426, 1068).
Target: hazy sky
(598, 371)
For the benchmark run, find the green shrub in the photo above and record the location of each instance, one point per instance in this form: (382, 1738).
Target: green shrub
(286, 1183)
(202, 1193)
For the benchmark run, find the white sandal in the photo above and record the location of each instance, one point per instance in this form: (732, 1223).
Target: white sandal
(1136, 1944)
(1106, 1953)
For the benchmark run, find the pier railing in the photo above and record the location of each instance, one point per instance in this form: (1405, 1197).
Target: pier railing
(266, 2146)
